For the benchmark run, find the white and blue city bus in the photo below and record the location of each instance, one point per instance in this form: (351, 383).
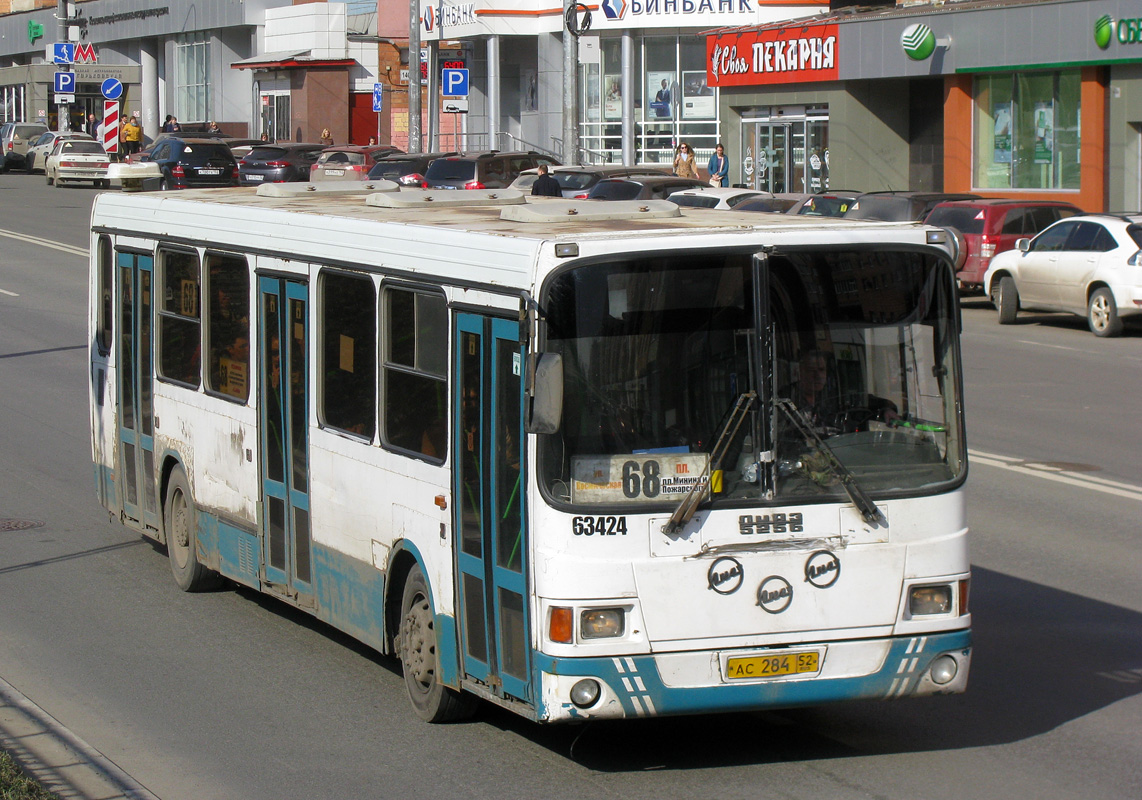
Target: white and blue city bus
(581, 460)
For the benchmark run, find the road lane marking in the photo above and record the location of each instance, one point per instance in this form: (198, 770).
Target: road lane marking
(10, 294)
(1049, 473)
(1053, 346)
(67, 248)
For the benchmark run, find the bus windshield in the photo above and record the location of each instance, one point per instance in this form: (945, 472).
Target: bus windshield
(854, 361)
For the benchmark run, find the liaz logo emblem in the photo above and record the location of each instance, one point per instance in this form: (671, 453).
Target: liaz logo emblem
(614, 9)
(822, 569)
(918, 41)
(775, 594)
(1103, 30)
(725, 575)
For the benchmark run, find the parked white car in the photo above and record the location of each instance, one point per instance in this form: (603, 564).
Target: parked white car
(78, 160)
(1090, 265)
(40, 149)
(720, 197)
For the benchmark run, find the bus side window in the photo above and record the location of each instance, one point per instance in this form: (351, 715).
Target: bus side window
(228, 324)
(415, 388)
(180, 346)
(349, 353)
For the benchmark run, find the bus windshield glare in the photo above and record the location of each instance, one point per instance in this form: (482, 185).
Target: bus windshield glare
(851, 371)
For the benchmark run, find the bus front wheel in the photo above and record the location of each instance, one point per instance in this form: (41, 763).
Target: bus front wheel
(180, 519)
(431, 700)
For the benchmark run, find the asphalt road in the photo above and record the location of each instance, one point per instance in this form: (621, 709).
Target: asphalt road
(232, 695)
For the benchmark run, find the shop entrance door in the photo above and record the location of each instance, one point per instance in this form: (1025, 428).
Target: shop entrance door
(786, 155)
(771, 156)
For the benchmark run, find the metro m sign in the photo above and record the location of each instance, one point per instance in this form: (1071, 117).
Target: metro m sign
(85, 54)
(796, 54)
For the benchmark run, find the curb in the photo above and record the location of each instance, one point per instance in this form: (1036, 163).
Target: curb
(57, 758)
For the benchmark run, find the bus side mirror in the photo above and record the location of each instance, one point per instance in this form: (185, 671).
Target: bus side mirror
(545, 410)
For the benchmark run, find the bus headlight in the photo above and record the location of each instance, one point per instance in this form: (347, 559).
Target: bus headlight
(924, 600)
(602, 623)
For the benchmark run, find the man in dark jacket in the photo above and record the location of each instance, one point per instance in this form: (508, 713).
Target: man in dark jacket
(545, 185)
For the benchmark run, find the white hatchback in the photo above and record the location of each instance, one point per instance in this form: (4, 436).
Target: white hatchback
(1090, 265)
(714, 197)
(38, 153)
(78, 160)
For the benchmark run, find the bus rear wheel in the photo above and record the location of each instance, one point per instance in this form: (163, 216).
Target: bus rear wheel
(431, 700)
(180, 520)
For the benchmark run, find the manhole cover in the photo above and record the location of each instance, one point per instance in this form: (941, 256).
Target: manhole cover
(19, 524)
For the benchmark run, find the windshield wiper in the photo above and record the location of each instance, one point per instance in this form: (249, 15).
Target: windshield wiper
(693, 498)
(848, 482)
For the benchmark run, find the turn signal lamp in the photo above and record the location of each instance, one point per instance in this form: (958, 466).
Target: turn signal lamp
(926, 600)
(602, 623)
(561, 628)
(474, 185)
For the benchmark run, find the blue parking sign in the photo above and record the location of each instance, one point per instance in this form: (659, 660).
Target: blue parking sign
(378, 97)
(64, 83)
(454, 82)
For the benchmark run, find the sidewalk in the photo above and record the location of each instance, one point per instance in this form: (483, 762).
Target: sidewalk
(57, 758)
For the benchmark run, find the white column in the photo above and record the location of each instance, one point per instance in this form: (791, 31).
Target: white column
(493, 92)
(148, 60)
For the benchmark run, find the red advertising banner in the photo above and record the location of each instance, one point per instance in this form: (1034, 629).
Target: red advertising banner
(797, 54)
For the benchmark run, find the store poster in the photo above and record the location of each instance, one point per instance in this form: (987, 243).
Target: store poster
(1044, 132)
(697, 97)
(613, 101)
(660, 89)
(1001, 115)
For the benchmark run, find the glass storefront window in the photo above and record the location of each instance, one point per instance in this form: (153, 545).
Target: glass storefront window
(192, 77)
(1028, 130)
(672, 102)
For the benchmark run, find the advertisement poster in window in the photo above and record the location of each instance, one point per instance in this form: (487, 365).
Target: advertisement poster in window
(1044, 131)
(591, 95)
(660, 88)
(1001, 114)
(613, 102)
(697, 96)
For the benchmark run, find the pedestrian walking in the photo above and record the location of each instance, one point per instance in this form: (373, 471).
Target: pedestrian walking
(684, 166)
(545, 185)
(719, 167)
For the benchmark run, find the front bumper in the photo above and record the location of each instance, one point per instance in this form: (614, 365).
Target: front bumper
(693, 683)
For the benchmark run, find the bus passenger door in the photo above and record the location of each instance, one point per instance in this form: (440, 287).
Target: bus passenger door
(136, 382)
(283, 410)
(489, 491)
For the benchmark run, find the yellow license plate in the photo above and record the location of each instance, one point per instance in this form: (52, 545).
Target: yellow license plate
(772, 666)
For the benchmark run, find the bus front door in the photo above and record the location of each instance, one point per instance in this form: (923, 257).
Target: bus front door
(489, 492)
(283, 410)
(136, 378)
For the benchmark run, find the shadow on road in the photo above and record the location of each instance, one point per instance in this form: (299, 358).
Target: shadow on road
(1042, 658)
(1132, 326)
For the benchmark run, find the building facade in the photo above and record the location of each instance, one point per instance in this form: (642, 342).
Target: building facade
(198, 61)
(1008, 98)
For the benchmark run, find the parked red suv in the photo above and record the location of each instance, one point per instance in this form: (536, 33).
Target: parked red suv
(990, 226)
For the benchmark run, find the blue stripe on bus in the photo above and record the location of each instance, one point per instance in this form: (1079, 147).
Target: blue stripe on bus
(637, 684)
(350, 593)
